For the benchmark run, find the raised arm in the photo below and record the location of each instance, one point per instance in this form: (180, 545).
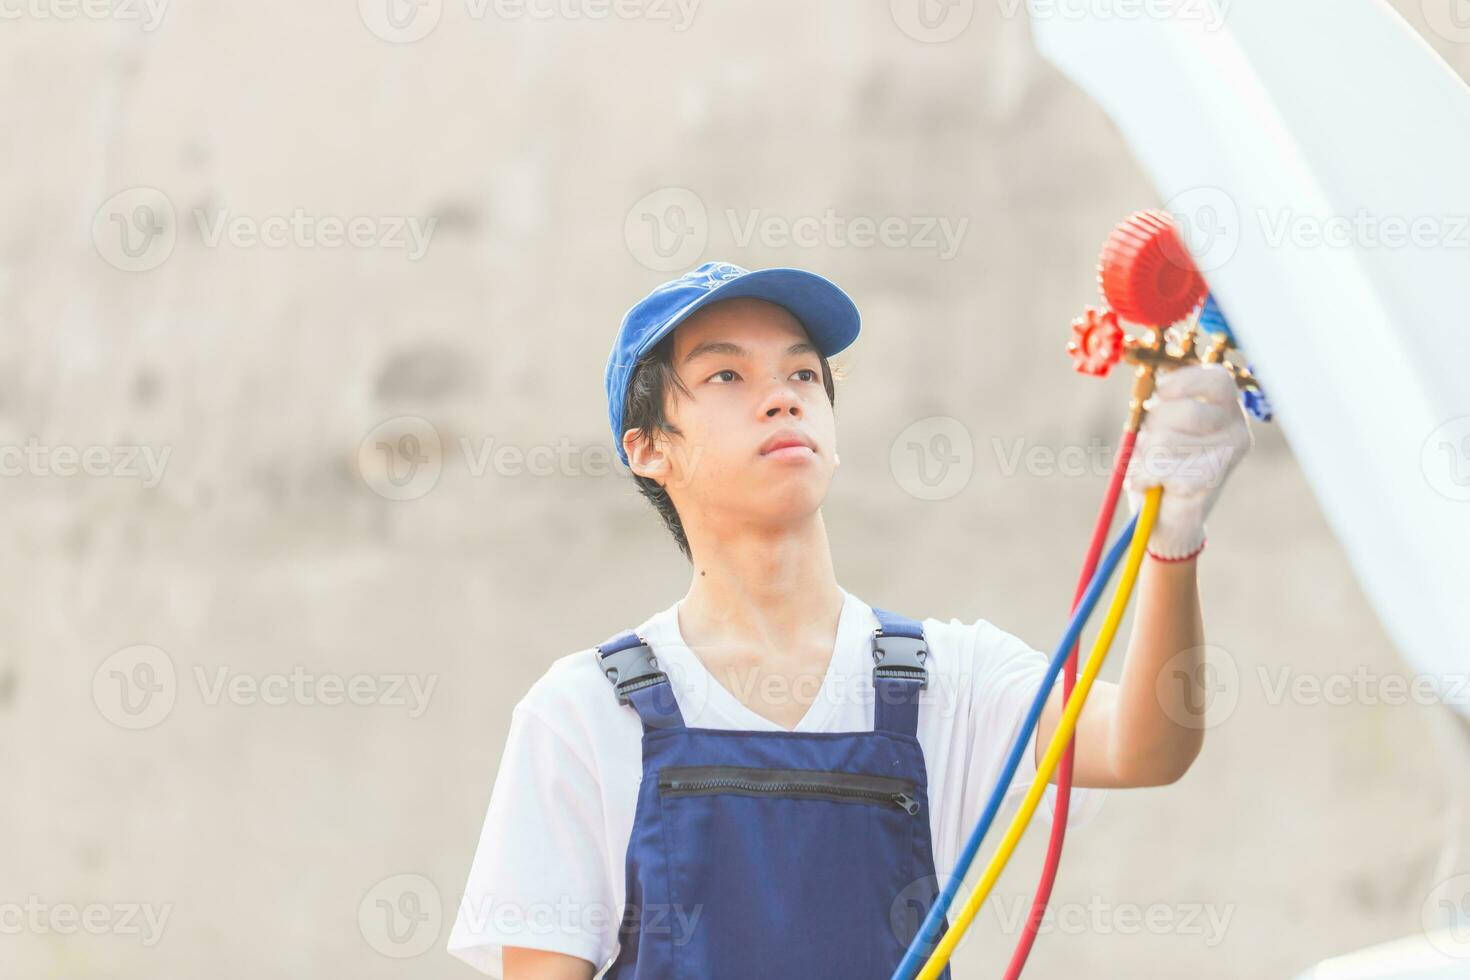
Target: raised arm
(1147, 729)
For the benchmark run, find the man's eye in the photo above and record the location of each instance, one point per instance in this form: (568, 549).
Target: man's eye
(718, 373)
(808, 371)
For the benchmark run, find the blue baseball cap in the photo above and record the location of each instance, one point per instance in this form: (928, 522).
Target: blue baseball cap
(827, 313)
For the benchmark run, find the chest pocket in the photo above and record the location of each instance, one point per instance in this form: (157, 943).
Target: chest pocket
(812, 784)
(790, 872)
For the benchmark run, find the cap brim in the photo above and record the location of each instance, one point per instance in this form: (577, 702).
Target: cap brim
(828, 314)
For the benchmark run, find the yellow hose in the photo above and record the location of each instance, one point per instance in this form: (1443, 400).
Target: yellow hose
(1054, 749)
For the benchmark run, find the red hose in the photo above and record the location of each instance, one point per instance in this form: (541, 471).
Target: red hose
(1069, 679)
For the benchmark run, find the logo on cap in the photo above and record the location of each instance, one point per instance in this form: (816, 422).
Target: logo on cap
(712, 274)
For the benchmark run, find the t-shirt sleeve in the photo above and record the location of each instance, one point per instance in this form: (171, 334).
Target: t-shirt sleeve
(1010, 673)
(539, 877)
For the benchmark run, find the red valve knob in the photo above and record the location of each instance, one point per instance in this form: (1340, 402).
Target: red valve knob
(1097, 342)
(1145, 273)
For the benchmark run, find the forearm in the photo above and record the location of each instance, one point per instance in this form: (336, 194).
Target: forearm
(1151, 739)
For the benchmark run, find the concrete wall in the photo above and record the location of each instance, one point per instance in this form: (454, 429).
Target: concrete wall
(253, 379)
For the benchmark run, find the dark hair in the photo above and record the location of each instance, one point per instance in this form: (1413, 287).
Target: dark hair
(643, 409)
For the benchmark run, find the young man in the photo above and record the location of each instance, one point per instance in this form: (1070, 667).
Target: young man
(771, 777)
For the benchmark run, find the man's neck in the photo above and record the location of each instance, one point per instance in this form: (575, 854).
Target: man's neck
(761, 588)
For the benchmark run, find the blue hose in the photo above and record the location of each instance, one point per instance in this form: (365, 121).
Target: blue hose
(932, 927)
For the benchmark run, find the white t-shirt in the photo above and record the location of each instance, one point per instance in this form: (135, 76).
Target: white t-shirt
(549, 869)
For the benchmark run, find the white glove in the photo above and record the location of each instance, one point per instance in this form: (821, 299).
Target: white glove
(1193, 436)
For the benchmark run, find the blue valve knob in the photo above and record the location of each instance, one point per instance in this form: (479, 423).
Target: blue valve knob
(1212, 320)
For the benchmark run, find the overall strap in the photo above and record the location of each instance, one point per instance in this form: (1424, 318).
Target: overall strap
(899, 674)
(629, 663)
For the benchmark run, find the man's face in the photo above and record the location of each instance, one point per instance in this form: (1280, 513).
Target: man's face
(755, 384)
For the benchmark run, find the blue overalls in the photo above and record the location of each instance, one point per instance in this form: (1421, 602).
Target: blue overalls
(758, 854)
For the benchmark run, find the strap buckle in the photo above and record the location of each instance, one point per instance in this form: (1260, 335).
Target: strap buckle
(901, 657)
(631, 669)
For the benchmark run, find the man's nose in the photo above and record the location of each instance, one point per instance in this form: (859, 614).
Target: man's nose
(783, 398)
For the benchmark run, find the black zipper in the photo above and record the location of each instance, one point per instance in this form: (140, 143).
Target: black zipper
(822, 784)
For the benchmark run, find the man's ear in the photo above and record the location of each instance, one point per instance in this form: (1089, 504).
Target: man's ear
(644, 459)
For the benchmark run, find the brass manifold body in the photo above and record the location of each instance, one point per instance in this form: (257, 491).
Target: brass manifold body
(1150, 350)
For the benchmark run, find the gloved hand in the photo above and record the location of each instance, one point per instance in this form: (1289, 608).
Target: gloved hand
(1194, 435)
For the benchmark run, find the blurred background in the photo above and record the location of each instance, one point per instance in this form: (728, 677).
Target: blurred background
(305, 313)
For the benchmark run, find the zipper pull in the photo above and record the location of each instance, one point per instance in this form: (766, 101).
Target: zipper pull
(906, 801)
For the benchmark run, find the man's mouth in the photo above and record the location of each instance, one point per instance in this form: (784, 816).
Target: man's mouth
(788, 445)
